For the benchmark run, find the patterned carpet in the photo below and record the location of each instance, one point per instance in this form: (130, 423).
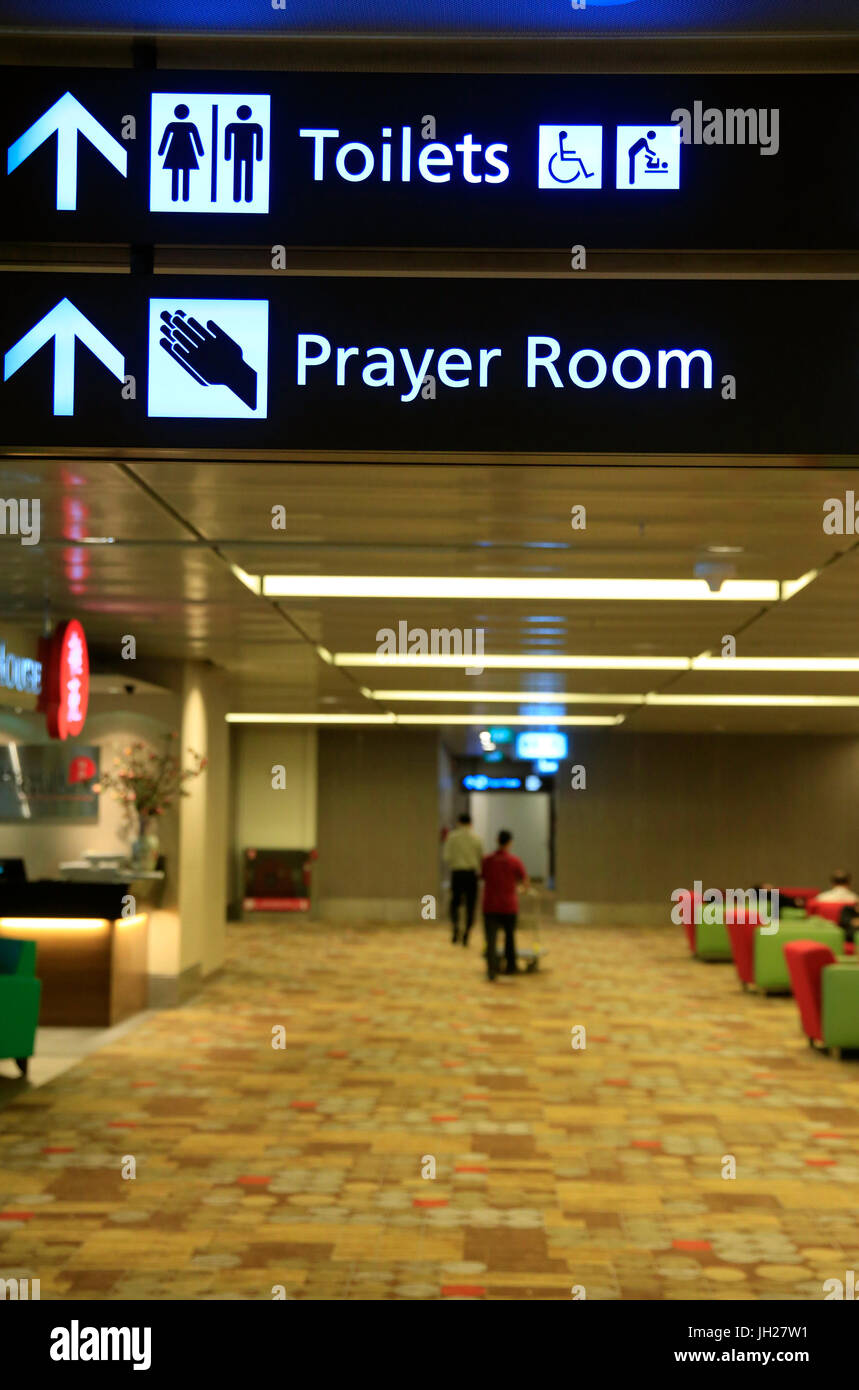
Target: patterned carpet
(301, 1167)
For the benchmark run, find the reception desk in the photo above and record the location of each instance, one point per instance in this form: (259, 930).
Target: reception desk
(91, 960)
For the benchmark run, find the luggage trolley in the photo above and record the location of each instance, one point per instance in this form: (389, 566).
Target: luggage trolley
(532, 951)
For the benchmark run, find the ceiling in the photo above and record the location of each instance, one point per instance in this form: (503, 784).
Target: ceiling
(178, 526)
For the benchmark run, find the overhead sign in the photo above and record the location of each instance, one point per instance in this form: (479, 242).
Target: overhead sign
(65, 694)
(541, 743)
(558, 17)
(482, 782)
(346, 159)
(423, 364)
(19, 673)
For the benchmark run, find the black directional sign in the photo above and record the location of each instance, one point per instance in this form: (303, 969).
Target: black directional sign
(425, 364)
(322, 159)
(557, 17)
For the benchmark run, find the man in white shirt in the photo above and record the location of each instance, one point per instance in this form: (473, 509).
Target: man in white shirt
(840, 892)
(463, 854)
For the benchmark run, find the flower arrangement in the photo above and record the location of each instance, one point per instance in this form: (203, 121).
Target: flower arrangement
(149, 782)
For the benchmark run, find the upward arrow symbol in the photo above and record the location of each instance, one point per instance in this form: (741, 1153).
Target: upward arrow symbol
(64, 323)
(69, 119)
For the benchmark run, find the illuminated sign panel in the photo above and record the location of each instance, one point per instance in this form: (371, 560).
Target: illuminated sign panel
(353, 159)
(541, 743)
(556, 17)
(19, 672)
(425, 365)
(65, 696)
(482, 782)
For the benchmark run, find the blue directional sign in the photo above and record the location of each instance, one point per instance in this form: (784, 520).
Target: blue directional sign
(67, 119)
(355, 364)
(541, 743)
(631, 161)
(65, 324)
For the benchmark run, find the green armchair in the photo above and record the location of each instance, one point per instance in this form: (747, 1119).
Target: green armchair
(20, 993)
(771, 972)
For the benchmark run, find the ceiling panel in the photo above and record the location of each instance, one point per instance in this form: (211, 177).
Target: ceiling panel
(177, 526)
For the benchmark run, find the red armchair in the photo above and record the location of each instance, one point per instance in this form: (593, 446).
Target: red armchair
(805, 962)
(830, 911)
(742, 938)
(799, 895)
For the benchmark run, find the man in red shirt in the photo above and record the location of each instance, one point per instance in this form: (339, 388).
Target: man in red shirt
(501, 873)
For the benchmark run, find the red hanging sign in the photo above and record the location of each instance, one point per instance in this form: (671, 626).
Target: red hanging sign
(65, 686)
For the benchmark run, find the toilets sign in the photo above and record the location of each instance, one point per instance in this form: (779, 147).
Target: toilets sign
(495, 161)
(426, 366)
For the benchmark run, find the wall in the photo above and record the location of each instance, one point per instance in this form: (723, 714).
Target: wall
(732, 810)
(379, 823)
(264, 816)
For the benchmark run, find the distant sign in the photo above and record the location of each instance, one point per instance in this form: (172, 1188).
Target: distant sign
(482, 782)
(425, 365)
(48, 782)
(541, 743)
(504, 160)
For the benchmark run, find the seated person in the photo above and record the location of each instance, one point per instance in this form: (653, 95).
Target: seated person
(848, 922)
(840, 892)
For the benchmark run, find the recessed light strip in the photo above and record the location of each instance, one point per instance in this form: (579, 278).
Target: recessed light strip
(517, 662)
(469, 587)
(438, 720)
(512, 697)
(512, 662)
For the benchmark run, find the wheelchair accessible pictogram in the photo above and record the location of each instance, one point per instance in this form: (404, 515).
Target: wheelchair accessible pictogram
(570, 157)
(566, 166)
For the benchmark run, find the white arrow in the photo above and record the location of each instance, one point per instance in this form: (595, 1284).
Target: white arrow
(64, 323)
(69, 119)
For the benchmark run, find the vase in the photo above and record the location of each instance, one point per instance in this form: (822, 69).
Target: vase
(145, 849)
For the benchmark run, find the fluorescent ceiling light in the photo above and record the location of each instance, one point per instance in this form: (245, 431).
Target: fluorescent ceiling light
(250, 581)
(469, 587)
(310, 718)
(513, 697)
(775, 663)
(774, 701)
(793, 586)
(530, 721)
(651, 698)
(519, 663)
(704, 662)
